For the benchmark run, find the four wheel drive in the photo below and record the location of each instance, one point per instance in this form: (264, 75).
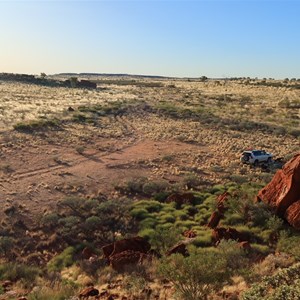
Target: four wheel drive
(254, 157)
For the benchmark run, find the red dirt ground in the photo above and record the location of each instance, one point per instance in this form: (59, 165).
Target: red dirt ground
(37, 173)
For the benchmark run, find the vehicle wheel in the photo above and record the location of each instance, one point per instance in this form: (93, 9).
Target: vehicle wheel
(255, 163)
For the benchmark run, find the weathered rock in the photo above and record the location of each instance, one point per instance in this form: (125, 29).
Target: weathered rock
(179, 248)
(221, 200)
(284, 189)
(244, 246)
(121, 261)
(229, 233)
(292, 214)
(190, 234)
(87, 253)
(88, 292)
(214, 220)
(137, 244)
(108, 250)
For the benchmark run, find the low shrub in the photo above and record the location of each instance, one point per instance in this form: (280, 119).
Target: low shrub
(167, 218)
(289, 243)
(203, 241)
(139, 213)
(6, 244)
(282, 285)
(36, 125)
(164, 238)
(15, 272)
(147, 233)
(148, 223)
(196, 276)
(59, 291)
(150, 205)
(233, 219)
(63, 260)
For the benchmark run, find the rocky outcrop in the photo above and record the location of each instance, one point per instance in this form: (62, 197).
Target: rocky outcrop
(179, 248)
(292, 214)
(214, 220)
(244, 246)
(88, 292)
(137, 244)
(120, 261)
(229, 233)
(126, 252)
(282, 194)
(87, 253)
(190, 234)
(218, 214)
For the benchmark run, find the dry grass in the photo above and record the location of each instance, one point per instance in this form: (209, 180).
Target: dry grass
(203, 126)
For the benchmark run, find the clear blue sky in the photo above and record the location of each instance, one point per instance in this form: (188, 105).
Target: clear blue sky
(173, 38)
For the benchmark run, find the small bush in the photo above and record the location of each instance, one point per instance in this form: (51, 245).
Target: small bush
(289, 243)
(139, 213)
(36, 125)
(63, 260)
(15, 272)
(167, 218)
(59, 291)
(181, 215)
(50, 220)
(6, 244)
(191, 180)
(93, 222)
(163, 239)
(147, 233)
(150, 205)
(282, 285)
(148, 223)
(203, 241)
(151, 188)
(196, 276)
(233, 219)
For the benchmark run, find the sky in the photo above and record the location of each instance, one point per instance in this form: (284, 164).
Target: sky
(213, 38)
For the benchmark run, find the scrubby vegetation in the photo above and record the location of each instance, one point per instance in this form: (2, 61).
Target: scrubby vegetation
(83, 222)
(42, 249)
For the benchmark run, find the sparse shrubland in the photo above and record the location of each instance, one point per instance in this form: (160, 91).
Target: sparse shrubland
(117, 155)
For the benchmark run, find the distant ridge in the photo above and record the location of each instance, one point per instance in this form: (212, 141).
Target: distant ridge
(115, 75)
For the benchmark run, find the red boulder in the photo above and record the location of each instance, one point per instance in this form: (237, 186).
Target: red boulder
(121, 261)
(292, 214)
(179, 248)
(283, 190)
(137, 244)
(229, 233)
(214, 220)
(88, 292)
(221, 200)
(87, 253)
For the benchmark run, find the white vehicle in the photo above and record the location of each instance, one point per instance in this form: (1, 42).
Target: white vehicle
(254, 157)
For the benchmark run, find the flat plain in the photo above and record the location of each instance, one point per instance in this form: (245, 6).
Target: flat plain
(170, 130)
